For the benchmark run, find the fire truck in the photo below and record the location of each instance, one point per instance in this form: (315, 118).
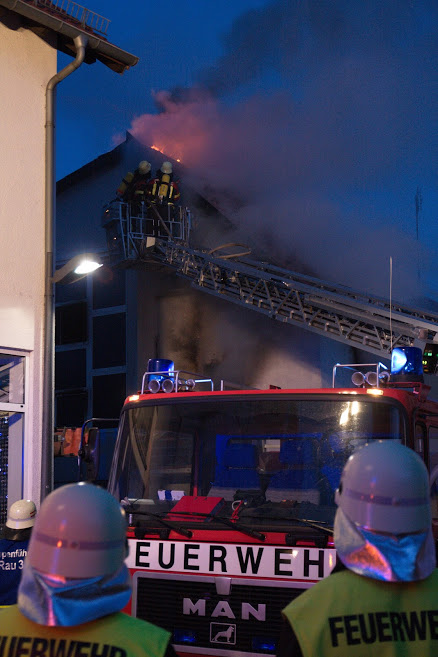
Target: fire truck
(229, 492)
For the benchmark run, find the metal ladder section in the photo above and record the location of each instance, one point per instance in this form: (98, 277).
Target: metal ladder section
(338, 312)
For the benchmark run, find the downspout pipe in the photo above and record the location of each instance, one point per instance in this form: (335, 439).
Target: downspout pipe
(47, 481)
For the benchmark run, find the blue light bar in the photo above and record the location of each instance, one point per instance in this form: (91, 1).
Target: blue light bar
(159, 365)
(398, 360)
(407, 364)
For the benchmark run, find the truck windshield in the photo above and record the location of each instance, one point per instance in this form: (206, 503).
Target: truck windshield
(279, 450)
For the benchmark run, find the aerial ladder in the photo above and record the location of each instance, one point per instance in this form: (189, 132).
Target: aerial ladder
(341, 313)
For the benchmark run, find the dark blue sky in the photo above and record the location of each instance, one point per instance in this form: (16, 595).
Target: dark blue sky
(319, 116)
(173, 42)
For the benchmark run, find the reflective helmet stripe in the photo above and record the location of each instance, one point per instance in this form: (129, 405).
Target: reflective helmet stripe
(380, 499)
(77, 545)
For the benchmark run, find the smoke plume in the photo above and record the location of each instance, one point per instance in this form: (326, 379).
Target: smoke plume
(313, 132)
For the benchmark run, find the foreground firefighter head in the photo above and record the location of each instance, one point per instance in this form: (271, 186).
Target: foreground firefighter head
(80, 532)
(79, 540)
(383, 525)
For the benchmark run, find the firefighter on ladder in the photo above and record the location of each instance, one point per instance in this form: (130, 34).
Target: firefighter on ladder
(133, 187)
(75, 583)
(381, 598)
(163, 193)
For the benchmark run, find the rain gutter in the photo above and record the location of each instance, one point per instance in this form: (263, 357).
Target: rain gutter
(49, 305)
(115, 58)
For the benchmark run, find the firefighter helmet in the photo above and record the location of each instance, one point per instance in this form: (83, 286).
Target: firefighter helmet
(21, 514)
(80, 532)
(144, 167)
(385, 488)
(166, 167)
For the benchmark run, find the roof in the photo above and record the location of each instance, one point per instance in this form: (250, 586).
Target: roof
(47, 20)
(100, 164)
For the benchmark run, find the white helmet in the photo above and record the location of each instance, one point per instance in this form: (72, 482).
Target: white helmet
(385, 488)
(144, 167)
(80, 532)
(166, 167)
(21, 514)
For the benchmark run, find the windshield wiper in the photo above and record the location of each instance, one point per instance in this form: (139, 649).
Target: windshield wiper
(316, 524)
(225, 521)
(129, 507)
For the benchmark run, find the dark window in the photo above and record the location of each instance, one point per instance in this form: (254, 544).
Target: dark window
(75, 292)
(71, 409)
(109, 392)
(109, 340)
(71, 323)
(108, 288)
(70, 369)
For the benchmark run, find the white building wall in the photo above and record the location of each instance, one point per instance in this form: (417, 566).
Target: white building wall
(27, 64)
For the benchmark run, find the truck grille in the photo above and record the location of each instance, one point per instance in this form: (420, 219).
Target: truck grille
(160, 600)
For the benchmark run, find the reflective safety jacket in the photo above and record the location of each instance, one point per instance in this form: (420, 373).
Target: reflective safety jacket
(351, 615)
(116, 635)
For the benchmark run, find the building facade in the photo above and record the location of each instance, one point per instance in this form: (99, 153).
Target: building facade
(30, 36)
(27, 65)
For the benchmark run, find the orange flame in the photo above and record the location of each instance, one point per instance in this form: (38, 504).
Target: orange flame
(160, 150)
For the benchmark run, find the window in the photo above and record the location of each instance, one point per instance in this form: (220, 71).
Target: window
(108, 288)
(70, 293)
(109, 340)
(71, 323)
(109, 393)
(70, 369)
(11, 379)
(71, 408)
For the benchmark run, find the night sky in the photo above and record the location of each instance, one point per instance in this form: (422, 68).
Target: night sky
(315, 121)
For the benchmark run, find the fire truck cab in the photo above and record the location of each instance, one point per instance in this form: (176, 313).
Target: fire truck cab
(230, 493)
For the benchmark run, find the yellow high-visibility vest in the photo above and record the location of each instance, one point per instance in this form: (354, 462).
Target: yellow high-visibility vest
(349, 615)
(116, 635)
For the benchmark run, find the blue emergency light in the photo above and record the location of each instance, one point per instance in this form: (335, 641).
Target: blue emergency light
(164, 378)
(407, 364)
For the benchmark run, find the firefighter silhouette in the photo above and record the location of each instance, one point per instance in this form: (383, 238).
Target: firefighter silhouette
(163, 193)
(134, 185)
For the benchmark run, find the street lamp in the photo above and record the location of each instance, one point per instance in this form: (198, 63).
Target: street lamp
(73, 270)
(81, 265)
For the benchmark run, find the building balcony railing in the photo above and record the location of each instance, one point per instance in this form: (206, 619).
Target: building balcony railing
(73, 12)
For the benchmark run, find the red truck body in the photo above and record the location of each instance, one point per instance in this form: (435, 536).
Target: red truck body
(230, 498)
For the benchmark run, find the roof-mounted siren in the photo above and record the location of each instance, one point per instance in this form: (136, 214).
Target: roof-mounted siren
(160, 375)
(407, 364)
(372, 379)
